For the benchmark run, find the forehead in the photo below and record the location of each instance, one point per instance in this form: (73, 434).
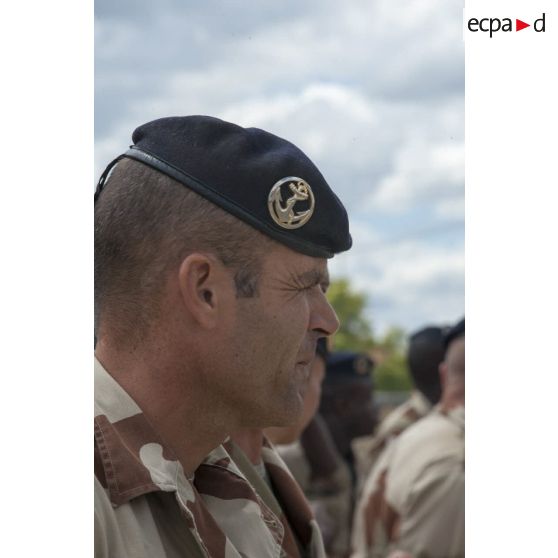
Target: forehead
(284, 262)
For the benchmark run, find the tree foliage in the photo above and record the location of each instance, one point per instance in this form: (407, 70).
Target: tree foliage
(356, 334)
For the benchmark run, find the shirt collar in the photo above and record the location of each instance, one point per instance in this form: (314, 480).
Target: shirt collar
(455, 414)
(130, 458)
(419, 402)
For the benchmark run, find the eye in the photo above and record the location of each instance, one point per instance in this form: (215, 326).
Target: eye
(309, 287)
(304, 289)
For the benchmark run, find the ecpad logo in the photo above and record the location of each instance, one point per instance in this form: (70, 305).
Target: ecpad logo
(494, 24)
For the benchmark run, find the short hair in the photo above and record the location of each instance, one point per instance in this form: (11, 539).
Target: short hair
(425, 353)
(146, 223)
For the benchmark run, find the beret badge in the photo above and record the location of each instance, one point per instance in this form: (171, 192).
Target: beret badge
(360, 365)
(298, 206)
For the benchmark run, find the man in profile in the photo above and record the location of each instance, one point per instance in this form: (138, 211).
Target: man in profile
(211, 247)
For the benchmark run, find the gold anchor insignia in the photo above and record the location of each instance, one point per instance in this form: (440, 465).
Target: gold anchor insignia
(285, 215)
(360, 365)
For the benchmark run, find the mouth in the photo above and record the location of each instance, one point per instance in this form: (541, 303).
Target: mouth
(302, 368)
(304, 362)
(308, 356)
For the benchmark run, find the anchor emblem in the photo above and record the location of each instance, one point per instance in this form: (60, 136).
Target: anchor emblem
(284, 214)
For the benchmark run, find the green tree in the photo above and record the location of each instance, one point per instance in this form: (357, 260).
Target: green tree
(391, 371)
(356, 334)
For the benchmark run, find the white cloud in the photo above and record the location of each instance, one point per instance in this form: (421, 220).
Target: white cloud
(372, 91)
(421, 171)
(453, 208)
(409, 284)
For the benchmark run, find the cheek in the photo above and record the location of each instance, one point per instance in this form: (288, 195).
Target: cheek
(297, 316)
(289, 323)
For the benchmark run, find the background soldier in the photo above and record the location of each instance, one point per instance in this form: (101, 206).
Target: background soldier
(425, 485)
(347, 407)
(414, 498)
(424, 355)
(347, 403)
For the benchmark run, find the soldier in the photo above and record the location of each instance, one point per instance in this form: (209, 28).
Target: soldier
(424, 355)
(211, 247)
(347, 403)
(419, 506)
(348, 411)
(425, 484)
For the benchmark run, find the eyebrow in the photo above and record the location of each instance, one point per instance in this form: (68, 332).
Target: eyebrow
(314, 277)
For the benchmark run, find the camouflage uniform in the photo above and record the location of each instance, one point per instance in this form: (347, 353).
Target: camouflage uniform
(417, 501)
(282, 494)
(329, 497)
(372, 455)
(367, 449)
(146, 507)
(425, 487)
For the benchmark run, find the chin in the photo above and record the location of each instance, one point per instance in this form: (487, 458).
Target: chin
(290, 414)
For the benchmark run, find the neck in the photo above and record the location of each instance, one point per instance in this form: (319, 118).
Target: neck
(172, 396)
(250, 441)
(452, 399)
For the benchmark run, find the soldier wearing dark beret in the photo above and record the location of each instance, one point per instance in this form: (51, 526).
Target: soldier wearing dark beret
(347, 399)
(348, 411)
(211, 248)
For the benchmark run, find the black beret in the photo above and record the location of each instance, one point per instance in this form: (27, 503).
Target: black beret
(454, 332)
(428, 334)
(256, 176)
(344, 367)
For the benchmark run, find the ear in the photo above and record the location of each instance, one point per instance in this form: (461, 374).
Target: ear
(202, 280)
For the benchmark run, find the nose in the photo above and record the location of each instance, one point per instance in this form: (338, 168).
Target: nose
(323, 317)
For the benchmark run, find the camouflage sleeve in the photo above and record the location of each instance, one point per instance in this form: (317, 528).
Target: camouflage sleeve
(370, 531)
(432, 517)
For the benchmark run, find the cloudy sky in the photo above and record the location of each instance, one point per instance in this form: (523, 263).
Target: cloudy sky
(371, 90)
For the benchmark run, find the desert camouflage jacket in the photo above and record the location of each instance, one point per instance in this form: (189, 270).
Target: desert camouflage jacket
(145, 506)
(329, 490)
(367, 449)
(425, 487)
(372, 456)
(414, 497)
(284, 497)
